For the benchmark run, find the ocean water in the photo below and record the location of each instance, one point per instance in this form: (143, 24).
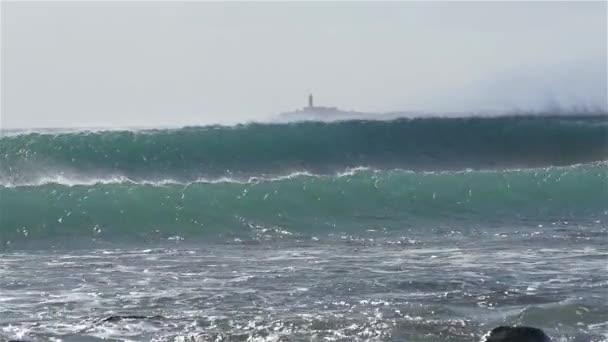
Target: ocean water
(435, 229)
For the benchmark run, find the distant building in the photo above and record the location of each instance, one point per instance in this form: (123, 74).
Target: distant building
(317, 112)
(317, 109)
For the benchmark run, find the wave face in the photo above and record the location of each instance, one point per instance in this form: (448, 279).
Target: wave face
(306, 205)
(259, 150)
(303, 179)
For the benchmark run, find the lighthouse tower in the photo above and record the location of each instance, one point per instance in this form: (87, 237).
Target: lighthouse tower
(311, 109)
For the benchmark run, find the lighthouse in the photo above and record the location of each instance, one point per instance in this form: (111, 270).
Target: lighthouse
(314, 111)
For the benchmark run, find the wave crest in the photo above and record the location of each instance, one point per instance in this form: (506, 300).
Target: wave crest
(267, 150)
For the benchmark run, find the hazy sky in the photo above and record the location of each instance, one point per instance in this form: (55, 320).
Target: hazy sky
(172, 63)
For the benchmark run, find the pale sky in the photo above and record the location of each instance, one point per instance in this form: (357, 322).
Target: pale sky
(115, 64)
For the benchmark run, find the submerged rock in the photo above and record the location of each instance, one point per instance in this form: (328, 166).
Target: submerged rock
(516, 334)
(116, 318)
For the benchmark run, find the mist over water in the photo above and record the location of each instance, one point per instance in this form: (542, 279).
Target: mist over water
(575, 87)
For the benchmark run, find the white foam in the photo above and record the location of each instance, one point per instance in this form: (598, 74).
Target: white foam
(72, 181)
(80, 180)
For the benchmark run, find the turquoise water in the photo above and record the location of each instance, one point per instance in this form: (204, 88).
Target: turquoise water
(412, 229)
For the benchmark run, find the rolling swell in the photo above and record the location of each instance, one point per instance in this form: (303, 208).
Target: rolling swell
(303, 205)
(255, 150)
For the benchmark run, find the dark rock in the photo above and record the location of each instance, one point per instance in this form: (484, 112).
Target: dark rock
(516, 334)
(116, 318)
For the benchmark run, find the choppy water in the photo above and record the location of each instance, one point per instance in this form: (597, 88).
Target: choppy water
(407, 230)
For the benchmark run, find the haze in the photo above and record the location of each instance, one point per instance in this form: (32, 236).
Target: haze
(116, 64)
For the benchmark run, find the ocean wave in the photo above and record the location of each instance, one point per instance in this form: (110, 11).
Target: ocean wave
(270, 150)
(354, 200)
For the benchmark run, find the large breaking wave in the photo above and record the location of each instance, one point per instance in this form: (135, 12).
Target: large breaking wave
(255, 150)
(303, 179)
